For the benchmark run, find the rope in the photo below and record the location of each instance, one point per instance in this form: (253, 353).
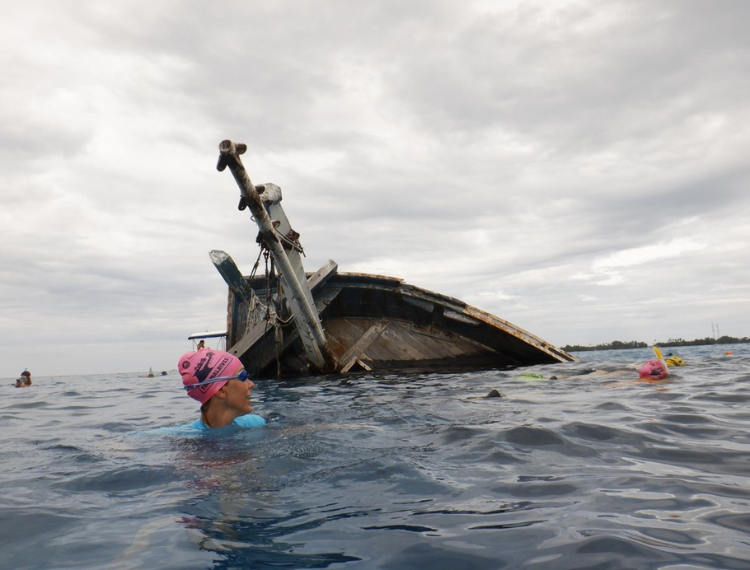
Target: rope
(279, 338)
(271, 310)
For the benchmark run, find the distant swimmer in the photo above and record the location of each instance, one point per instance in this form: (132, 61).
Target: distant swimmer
(674, 360)
(220, 383)
(24, 380)
(201, 345)
(653, 370)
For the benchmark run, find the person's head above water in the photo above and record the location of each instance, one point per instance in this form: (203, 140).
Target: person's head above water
(205, 373)
(24, 379)
(653, 370)
(674, 360)
(218, 381)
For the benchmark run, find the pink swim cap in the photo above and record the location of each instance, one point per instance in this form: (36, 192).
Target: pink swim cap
(203, 365)
(653, 369)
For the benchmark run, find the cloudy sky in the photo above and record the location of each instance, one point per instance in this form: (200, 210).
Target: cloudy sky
(578, 168)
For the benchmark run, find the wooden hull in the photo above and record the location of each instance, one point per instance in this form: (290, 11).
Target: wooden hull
(327, 322)
(381, 324)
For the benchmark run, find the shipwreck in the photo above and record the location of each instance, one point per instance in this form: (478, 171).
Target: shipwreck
(290, 323)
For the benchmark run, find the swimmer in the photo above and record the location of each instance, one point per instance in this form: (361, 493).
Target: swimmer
(24, 380)
(674, 360)
(220, 383)
(592, 373)
(653, 370)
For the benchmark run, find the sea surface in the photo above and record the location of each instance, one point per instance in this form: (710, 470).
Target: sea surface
(590, 470)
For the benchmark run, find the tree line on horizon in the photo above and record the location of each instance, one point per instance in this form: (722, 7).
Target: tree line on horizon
(620, 345)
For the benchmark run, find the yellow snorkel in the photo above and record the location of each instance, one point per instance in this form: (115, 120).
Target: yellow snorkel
(660, 358)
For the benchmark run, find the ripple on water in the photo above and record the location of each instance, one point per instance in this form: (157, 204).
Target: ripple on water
(734, 521)
(31, 405)
(732, 398)
(126, 479)
(532, 436)
(548, 439)
(598, 432)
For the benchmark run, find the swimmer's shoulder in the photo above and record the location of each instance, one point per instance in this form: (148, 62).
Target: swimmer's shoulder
(196, 427)
(249, 420)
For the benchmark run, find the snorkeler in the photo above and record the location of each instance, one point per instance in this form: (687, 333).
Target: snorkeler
(24, 380)
(674, 360)
(219, 382)
(653, 370)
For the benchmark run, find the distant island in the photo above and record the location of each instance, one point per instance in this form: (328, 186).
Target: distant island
(619, 345)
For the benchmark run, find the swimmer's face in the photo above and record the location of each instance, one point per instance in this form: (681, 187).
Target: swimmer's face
(239, 392)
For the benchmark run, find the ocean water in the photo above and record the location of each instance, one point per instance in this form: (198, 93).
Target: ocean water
(589, 470)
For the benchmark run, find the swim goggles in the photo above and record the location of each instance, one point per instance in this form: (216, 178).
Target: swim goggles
(242, 376)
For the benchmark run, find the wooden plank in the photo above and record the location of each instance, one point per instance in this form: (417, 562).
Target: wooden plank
(326, 297)
(424, 346)
(355, 352)
(402, 342)
(322, 275)
(343, 333)
(364, 365)
(415, 344)
(394, 345)
(259, 330)
(444, 343)
(248, 340)
(229, 271)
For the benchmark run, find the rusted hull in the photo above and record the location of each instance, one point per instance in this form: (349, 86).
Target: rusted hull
(382, 324)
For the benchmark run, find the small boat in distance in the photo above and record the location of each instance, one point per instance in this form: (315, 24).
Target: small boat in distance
(198, 337)
(289, 323)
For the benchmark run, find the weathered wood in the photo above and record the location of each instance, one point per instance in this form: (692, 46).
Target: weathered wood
(358, 348)
(434, 341)
(363, 365)
(253, 335)
(524, 336)
(413, 344)
(261, 329)
(492, 330)
(271, 198)
(305, 316)
(321, 276)
(460, 317)
(371, 321)
(231, 274)
(291, 334)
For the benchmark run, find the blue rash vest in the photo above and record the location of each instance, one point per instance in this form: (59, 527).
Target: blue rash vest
(248, 420)
(195, 428)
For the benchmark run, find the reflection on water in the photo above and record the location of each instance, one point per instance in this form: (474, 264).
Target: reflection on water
(590, 470)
